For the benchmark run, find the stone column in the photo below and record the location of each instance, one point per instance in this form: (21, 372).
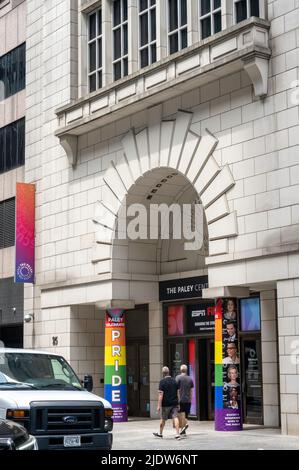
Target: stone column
(87, 339)
(269, 358)
(155, 352)
(107, 39)
(288, 337)
(162, 38)
(227, 13)
(133, 35)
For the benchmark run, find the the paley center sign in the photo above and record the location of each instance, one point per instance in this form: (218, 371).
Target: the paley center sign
(188, 288)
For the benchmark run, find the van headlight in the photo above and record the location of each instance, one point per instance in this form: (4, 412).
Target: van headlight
(108, 424)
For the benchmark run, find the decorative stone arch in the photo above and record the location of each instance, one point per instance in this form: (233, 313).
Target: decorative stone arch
(170, 144)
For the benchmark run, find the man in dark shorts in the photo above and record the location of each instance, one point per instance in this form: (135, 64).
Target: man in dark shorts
(168, 403)
(185, 386)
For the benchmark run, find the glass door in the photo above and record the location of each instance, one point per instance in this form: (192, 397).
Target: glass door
(252, 380)
(176, 355)
(138, 379)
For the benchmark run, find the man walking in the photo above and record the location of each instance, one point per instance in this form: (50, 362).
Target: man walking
(185, 386)
(168, 403)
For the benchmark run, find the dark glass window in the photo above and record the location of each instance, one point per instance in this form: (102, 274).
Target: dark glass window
(95, 52)
(183, 16)
(174, 43)
(120, 38)
(177, 25)
(254, 8)
(117, 43)
(241, 10)
(246, 8)
(173, 14)
(210, 17)
(12, 145)
(92, 26)
(116, 12)
(217, 22)
(7, 223)
(205, 7)
(147, 32)
(143, 29)
(206, 27)
(13, 71)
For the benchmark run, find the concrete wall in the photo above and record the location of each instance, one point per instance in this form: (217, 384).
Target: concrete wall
(271, 399)
(156, 353)
(288, 334)
(258, 139)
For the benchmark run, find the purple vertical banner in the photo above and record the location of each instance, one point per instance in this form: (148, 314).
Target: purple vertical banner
(228, 403)
(25, 232)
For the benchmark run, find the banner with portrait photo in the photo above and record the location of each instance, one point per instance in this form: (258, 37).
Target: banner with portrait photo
(228, 404)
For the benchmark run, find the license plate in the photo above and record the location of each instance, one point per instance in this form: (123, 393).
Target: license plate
(72, 441)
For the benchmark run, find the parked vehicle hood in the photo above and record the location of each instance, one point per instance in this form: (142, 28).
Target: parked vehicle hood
(22, 398)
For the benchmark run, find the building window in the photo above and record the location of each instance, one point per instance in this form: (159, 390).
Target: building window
(12, 71)
(177, 25)
(12, 145)
(120, 39)
(3, 3)
(245, 9)
(95, 48)
(147, 32)
(210, 17)
(7, 223)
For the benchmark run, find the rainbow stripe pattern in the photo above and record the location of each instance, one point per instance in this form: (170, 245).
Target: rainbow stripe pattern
(228, 414)
(115, 389)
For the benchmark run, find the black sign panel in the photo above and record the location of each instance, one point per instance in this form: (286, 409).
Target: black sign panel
(188, 288)
(201, 318)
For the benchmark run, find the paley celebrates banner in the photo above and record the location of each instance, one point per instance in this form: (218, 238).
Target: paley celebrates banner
(228, 409)
(25, 222)
(115, 363)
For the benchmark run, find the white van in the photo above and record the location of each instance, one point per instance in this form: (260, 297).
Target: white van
(40, 391)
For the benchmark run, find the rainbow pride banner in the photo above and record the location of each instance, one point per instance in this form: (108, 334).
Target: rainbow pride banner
(25, 228)
(228, 404)
(115, 389)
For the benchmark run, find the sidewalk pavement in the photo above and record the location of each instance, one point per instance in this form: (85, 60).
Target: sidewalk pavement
(138, 435)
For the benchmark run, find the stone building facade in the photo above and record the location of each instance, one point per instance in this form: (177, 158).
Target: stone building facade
(208, 112)
(12, 160)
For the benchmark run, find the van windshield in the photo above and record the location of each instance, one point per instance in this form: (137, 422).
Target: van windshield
(36, 371)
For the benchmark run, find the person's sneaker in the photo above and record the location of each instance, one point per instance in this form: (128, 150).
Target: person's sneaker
(156, 434)
(178, 437)
(183, 431)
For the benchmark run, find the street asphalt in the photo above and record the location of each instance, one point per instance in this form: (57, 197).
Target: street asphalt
(138, 435)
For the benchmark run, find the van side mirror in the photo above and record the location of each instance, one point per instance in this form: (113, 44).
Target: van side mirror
(88, 383)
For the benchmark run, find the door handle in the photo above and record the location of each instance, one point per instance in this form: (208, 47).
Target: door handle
(135, 387)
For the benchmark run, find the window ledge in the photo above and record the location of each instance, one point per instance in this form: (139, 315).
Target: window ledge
(242, 47)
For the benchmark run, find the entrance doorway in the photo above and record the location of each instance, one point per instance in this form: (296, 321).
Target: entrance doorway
(137, 348)
(252, 380)
(12, 335)
(201, 368)
(206, 379)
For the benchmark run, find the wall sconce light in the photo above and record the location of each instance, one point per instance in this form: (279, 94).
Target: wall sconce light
(28, 317)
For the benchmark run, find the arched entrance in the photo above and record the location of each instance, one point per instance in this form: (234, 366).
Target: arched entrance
(169, 164)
